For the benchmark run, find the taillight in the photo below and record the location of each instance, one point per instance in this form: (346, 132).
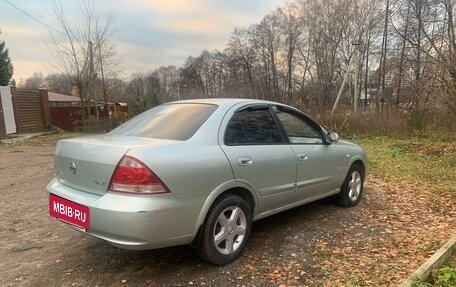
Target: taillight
(133, 176)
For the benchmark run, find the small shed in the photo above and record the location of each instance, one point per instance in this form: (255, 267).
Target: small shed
(61, 100)
(64, 110)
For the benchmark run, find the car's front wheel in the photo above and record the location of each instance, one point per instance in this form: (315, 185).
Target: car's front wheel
(226, 230)
(352, 188)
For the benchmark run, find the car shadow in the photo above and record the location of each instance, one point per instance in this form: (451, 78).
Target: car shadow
(271, 237)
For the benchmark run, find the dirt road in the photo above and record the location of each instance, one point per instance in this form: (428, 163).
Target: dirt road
(306, 246)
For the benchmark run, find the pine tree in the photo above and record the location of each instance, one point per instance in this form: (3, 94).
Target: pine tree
(6, 68)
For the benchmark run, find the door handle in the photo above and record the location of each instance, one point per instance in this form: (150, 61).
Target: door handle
(244, 160)
(302, 157)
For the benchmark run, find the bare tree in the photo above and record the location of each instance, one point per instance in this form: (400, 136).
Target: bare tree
(82, 50)
(143, 92)
(36, 81)
(169, 80)
(243, 59)
(58, 83)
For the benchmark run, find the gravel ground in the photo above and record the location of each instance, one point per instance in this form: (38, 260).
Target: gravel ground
(319, 244)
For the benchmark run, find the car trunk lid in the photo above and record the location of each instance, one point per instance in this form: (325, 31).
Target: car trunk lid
(88, 163)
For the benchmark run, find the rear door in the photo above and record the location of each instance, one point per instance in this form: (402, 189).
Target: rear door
(259, 157)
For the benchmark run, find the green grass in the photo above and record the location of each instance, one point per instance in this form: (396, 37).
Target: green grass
(445, 276)
(429, 161)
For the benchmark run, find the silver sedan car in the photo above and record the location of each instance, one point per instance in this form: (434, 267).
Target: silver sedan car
(200, 172)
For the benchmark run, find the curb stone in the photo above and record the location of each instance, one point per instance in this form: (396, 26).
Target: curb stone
(23, 137)
(424, 271)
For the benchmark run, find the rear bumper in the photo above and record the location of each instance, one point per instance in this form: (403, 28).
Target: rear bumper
(136, 221)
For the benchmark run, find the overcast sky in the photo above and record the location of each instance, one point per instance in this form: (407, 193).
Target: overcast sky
(148, 34)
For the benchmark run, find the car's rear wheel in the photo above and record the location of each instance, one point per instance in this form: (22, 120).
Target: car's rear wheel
(226, 230)
(352, 188)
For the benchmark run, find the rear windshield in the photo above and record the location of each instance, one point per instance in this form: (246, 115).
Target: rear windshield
(172, 121)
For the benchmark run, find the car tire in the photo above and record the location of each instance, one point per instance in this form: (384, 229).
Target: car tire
(352, 188)
(226, 230)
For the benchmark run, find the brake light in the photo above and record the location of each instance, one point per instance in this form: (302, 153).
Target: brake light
(133, 176)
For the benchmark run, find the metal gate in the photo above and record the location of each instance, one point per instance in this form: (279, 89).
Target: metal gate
(8, 110)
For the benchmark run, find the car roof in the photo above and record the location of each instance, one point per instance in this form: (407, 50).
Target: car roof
(226, 102)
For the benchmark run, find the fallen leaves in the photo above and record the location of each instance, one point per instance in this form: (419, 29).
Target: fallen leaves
(378, 243)
(393, 236)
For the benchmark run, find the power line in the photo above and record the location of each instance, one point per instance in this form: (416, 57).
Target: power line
(34, 18)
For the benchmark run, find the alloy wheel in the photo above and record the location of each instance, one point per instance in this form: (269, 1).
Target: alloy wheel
(355, 185)
(229, 230)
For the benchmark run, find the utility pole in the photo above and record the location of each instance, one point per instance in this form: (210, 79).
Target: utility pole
(401, 65)
(366, 76)
(341, 88)
(105, 95)
(91, 81)
(355, 96)
(382, 74)
(357, 46)
(354, 59)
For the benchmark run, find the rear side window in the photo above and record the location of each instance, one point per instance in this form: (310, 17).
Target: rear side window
(252, 127)
(173, 122)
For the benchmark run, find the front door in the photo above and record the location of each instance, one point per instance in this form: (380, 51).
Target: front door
(317, 165)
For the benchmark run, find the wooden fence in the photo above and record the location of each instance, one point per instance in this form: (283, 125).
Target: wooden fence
(31, 110)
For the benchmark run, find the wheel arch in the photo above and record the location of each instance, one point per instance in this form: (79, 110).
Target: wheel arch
(361, 164)
(234, 187)
(244, 194)
(359, 160)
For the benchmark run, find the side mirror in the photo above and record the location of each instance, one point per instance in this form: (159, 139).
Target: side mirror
(332, 137)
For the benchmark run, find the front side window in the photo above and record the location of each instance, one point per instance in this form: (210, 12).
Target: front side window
(297, 129)
(252, 127)
(172, 121)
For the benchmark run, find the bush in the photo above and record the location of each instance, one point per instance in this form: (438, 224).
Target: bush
(369, 122)
(101, 126)
(445, 277)
(418, 121)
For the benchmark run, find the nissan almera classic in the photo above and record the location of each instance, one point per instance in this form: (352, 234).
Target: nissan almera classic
(200, 172)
